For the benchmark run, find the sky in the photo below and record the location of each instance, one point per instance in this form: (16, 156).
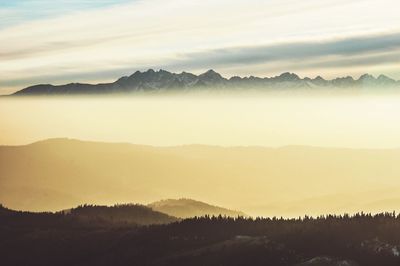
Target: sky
(43, 41)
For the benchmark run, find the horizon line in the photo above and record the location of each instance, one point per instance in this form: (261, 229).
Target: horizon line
(67, 139)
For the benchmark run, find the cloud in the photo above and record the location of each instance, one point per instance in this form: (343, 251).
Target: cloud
(294, 51)
(338, 50)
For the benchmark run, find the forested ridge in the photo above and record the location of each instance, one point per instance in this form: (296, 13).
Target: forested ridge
(60, 239)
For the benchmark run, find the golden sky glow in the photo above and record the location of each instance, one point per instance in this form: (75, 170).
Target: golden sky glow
(368, 121)
(99, 41)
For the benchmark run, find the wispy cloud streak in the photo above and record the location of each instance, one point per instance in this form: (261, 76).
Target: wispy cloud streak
(354, 51)
(17, 12)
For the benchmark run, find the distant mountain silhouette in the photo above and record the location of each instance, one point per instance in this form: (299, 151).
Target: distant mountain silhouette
(163, 81)
(186, 208)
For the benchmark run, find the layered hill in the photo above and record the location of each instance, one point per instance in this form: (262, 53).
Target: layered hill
(164, 81)
(56, 174)
(186, 208)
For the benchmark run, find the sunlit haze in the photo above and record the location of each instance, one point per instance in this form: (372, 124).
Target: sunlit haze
(170, 122)
(352, 121)
(200, 132)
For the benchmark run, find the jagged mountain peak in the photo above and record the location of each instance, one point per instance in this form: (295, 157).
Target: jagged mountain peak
(319, 78)
(287, 76)
(211, 74)
(366, 76)
(348, 78)
(385, 78)
(235, 78)
(136, 73)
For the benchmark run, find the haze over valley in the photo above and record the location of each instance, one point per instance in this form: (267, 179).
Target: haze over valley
(59, 173)
(200, 132)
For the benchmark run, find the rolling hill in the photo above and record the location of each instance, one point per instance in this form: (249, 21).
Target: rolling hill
(88, 215)
(186, 208)
(126, 214)
(56, 174)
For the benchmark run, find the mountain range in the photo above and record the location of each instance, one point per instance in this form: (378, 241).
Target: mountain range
(165, 81)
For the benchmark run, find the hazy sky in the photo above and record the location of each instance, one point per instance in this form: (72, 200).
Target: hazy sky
(47, 41)
(368, 121)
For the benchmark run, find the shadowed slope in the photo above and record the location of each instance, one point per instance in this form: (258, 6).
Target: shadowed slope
(87, 215)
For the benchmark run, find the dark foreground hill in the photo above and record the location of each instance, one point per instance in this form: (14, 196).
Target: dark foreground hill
(129, 214)
(164, 81)
(54, 239)
(89, 216)
(187, 208)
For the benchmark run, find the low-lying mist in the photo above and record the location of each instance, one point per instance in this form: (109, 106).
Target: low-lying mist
(324, 119)
(295, 180)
